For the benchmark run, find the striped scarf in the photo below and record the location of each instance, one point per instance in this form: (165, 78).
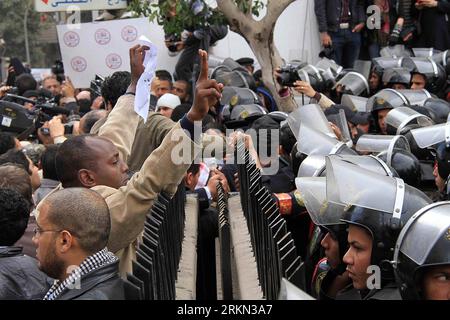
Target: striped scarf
(91, 263)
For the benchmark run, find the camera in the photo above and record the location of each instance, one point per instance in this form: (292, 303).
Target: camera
(288, 75)
(327, 52)
(58, 70)
(16, 119)
(172, 42)
(96, 85)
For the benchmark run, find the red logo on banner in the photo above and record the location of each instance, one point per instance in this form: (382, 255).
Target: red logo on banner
(102, 36)
(45, 1)
(71, 39)
(113, 61)
(78, 64)
(129, 33)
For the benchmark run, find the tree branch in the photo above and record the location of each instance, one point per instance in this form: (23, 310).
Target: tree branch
(249, 12)
(236, 18)
(274, 9)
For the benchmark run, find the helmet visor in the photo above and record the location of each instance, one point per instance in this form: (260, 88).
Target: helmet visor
(424, 52)
(325, 64)
(395, 99)
(400, 117)
(356, 103)
(396, 51)
(420, 235)
(387, 62)
(416, 97)
(353, 83)
(429, 136)
(314, 194)
(309, 114)
(378, 143)
(234, 96)
(367, 162)
(396, 75)
(420, 65)
(312, 166)
(348, 184)
(313, 142)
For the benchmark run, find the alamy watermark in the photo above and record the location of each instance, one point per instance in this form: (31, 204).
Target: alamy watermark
(263, 146)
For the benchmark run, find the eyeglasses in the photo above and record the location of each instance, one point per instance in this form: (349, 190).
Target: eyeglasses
(38, 231)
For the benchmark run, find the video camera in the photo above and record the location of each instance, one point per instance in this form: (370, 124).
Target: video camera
(18, 120)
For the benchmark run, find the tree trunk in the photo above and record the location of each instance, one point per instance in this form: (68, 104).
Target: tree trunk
(259, 36)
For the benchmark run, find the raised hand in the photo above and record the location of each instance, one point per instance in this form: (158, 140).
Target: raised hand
(137, 55)
(68, 90)
(207, 91)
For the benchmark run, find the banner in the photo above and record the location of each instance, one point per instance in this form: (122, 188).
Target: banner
(64, 5)
(103, 48)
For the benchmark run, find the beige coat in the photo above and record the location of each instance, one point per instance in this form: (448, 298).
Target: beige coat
(130, 204)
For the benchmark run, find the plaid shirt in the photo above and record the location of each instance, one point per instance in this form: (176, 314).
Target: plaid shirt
(91, 263)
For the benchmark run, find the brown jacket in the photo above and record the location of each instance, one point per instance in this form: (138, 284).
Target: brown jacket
(150, 134)
(130, 204)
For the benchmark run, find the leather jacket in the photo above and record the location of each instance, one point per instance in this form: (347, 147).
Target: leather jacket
(20, 278)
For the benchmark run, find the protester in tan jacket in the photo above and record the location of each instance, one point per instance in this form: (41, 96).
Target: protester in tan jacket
(99, 162)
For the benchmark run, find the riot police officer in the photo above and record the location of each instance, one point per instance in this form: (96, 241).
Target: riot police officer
(423, 271)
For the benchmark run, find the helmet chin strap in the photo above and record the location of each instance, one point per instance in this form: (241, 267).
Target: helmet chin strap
(447, 133)
(447, 185)
(398, 205)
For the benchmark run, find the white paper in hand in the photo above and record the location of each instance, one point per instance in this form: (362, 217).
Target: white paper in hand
(141, 102)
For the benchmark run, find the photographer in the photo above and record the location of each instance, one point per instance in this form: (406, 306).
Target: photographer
(55, 130)
(51, 84)
(22, 84)
(193, 38)
(293, 81)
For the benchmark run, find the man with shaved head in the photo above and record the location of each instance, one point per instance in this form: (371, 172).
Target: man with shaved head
(72, 231)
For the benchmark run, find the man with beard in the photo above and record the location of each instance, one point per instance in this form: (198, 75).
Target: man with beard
(72, 230)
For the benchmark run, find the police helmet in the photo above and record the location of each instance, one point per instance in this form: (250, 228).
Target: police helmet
(423, 242)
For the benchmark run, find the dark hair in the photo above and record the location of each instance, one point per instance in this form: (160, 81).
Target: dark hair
(115, 86)
(25, 82)
(194, 169)
(264, 141)
(82, 212)
(16, 157)
(180, 111)
(287, 138)
(91, 118)
(164, 75)
(14, 214)
(258, 78)
(16, 178)
(73, 155)
(7, 142)
(48, 162)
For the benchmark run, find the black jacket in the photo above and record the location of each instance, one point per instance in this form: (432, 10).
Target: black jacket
(20, 278)
(328, 14)
(103, 283)
(434, 26)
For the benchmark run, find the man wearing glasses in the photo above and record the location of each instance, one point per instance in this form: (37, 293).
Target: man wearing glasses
(73, 228)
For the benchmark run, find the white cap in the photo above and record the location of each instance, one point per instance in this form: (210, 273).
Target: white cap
(168, 100)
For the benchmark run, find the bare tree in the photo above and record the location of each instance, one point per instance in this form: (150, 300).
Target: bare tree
(259, 35)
